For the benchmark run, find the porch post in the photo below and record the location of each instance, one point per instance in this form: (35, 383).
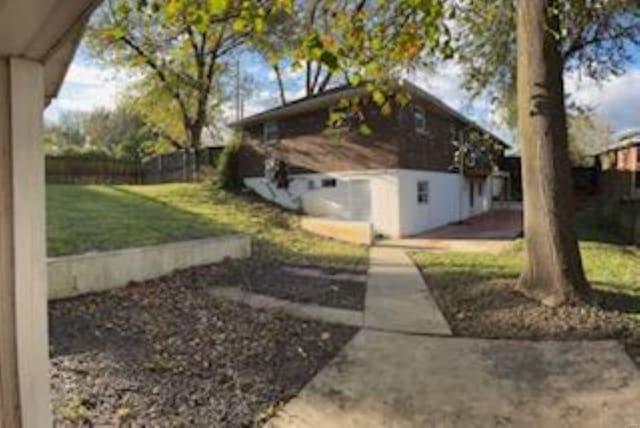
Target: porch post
(24, 363)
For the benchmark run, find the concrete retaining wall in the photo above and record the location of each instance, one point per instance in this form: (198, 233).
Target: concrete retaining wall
(356, 232)
(75, 275)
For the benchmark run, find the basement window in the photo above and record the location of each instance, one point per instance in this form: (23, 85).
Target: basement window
(423, 192)
(329, 182)
(270, 132)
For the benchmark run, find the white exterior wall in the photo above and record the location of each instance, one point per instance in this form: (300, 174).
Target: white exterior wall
(395, 211)
(448, 200)
(335, 202)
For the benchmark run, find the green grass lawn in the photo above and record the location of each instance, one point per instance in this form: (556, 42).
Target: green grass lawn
(81, 219)
(608, 266)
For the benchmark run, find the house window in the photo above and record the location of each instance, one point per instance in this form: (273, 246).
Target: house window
(423, 192)
(471, 194)
(270, 132)
(329, 182)
(480, 188)
(420, 119)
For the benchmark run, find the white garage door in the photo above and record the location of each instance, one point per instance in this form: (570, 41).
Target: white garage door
(360, 200)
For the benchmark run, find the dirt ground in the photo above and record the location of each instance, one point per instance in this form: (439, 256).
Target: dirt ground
(167, 353)
(495, 309)
(334, 286)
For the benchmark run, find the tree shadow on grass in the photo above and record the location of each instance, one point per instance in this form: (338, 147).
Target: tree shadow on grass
(478, 285)
(272, 229)
(595, 225)
(613, 300)
(456, 288)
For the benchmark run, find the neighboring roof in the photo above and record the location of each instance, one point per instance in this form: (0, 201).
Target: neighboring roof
(46, 31)
(626, 139)
(628, 133)
(331, 97)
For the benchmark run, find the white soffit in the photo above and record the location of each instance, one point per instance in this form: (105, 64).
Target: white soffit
(46, 31)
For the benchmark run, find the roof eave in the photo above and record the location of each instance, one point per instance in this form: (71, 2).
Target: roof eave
(296, 107)
(305, 105)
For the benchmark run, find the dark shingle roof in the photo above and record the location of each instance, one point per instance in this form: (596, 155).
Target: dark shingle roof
(332, 96)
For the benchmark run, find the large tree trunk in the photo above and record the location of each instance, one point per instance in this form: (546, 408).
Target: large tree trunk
(554, 273)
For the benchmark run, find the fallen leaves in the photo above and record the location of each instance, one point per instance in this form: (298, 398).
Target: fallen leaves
(166, 351)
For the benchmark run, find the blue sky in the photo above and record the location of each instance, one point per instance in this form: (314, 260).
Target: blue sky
(89, 85)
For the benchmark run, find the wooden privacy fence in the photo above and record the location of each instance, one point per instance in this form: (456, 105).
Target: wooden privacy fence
(88, 170)
(179, 166)
(622, 216)
(585, 179)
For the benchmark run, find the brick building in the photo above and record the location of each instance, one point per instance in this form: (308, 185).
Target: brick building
(398, 176)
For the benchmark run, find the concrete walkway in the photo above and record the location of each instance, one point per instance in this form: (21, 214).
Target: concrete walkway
(402, 370)
(397, 299)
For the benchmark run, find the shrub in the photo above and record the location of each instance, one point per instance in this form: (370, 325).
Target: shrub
(226, 171)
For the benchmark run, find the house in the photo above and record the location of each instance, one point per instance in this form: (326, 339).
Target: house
(620, 167)
(398, 176)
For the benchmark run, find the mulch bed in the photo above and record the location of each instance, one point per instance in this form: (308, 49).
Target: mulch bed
(495, 309)
(337, 287)
(341, 287)
(167, 353)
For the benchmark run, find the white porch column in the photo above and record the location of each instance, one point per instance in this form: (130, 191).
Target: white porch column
(24, 362)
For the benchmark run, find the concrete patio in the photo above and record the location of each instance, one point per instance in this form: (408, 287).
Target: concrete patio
(492, 231)
(397, 380)
(406, 370)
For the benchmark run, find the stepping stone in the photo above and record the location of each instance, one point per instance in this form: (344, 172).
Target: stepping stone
(301, 310)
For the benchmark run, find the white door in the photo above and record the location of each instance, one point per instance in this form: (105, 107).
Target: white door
(360, 200)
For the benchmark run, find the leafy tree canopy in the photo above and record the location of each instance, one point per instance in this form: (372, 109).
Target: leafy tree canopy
(118, 133)
(594, 39)
(179, 48)
(588, 135)
(346, 41)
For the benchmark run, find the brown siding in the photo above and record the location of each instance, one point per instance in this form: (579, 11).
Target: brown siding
(307, 145)
(431, 150)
